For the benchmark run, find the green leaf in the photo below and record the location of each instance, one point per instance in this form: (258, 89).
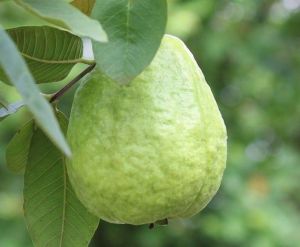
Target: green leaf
(16, 70)
(135, 30)
(54, 215)
(62, 14)
(50, 53)
(85, 6)
(17, 150)
(10, 109)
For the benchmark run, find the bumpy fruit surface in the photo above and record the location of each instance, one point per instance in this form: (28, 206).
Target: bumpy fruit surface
(151, 150)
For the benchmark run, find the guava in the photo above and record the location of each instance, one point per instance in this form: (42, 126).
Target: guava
(151, 150)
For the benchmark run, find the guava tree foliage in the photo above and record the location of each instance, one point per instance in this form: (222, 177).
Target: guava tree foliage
(120, 38)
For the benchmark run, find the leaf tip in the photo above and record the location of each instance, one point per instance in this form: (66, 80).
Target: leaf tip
(103, 38)
(67, 151)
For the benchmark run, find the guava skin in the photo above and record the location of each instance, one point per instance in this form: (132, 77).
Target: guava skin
(150, 150)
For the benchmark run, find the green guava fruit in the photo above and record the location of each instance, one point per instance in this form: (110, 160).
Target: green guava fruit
(151, 150)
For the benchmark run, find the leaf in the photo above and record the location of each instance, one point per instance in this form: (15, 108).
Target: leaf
(16, 70)
(50, 53)
(10, 109)
(86, 6)
(17, 150)
(62, 14)
(54, 215)
(135, 30)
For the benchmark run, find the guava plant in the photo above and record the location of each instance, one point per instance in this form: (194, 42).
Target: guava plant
(145, 143)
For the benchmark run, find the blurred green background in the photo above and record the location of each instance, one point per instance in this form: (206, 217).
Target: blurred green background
(249, 51)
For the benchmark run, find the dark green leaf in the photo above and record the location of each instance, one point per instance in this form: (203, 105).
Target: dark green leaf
(7, 110)
(135, 30)
(62, 14)
(16, 70)
(18, 149)
(50, 53)
(86, 6)
(54, 215)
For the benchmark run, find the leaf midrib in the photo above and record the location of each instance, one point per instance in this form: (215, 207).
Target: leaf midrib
(127, 31)
(71, 61)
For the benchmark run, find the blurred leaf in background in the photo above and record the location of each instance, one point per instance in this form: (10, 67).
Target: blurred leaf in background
(250, 54)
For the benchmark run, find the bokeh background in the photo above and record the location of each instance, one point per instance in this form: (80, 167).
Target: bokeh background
(249, 51)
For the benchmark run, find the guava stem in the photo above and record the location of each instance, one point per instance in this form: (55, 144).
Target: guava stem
(66, 88)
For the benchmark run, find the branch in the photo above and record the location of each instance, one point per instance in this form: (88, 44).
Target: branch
(63, 90)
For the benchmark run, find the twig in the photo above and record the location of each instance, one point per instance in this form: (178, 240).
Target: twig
(63, 90)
